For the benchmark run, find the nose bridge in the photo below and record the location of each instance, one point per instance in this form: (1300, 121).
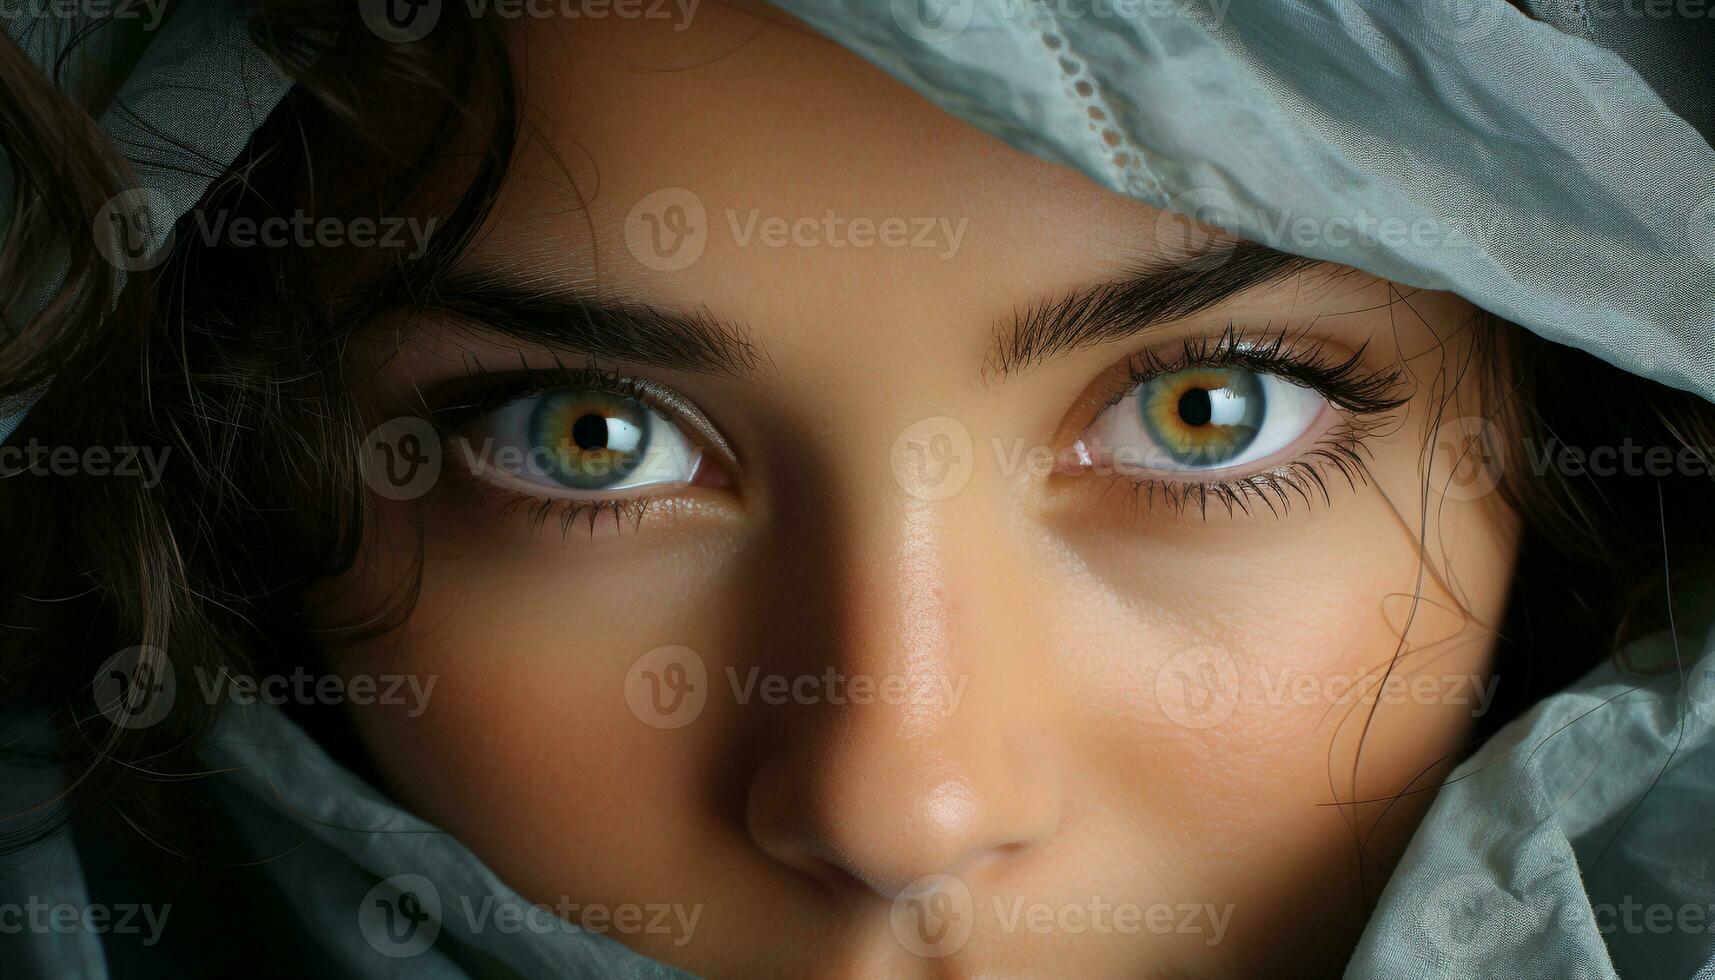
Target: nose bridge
(944, 766)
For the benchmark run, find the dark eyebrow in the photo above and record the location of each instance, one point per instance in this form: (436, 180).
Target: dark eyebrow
(1147, 297)
(693, 340)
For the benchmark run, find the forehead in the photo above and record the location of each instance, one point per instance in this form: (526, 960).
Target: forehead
(765, 124)
(748, 166)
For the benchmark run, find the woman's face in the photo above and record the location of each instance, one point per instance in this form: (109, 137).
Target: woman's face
(838, 552)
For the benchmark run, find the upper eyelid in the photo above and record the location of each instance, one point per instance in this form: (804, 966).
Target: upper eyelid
(535, 382)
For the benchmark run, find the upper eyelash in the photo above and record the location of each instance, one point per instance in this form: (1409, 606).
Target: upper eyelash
(1345, 381)
(482, 391)
(492, 391)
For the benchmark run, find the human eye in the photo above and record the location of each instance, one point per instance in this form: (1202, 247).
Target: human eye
(1238, 420)
(581, 442)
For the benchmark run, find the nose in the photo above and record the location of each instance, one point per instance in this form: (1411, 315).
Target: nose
(949, 768)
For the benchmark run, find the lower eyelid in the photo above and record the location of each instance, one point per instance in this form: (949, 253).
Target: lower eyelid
(528, 513)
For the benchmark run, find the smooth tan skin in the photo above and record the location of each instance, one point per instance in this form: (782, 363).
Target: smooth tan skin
(1064, 776)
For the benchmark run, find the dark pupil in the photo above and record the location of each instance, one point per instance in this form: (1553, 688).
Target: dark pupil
(1195, 408)
(590, 432)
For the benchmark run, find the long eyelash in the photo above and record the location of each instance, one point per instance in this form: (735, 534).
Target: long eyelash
(1341, 451)
(482, 391)
(568, 513)
(1363, 397)
(1345, 382)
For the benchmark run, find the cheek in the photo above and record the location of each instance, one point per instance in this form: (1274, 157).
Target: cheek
(529, 750)
(1245, 682)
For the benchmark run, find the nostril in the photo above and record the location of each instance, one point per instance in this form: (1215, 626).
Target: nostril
(840, 859)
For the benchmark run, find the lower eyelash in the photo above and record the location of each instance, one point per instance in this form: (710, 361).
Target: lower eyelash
(1340, 451)
(567, 512)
